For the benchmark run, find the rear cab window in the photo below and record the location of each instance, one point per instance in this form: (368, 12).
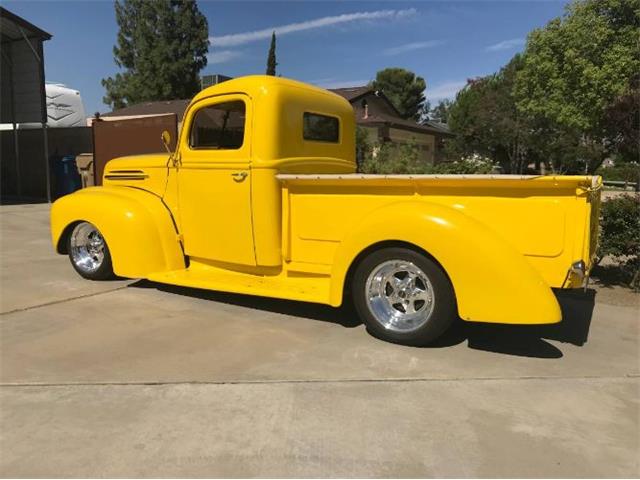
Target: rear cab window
(320, 128)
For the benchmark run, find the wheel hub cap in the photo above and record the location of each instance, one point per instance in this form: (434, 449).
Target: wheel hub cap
(400, 296)
(87, 247)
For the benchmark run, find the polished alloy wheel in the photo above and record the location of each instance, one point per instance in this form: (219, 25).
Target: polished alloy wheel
(399, 295)
(87, 247)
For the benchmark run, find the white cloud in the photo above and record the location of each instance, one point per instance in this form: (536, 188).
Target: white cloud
(235, 39)
(409, 47)
(505, 45)
(445, 90)
(222, 56)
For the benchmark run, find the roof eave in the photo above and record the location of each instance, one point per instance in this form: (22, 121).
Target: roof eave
(400, 126)
(21, 22)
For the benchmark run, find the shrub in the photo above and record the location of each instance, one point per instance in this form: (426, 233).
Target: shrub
(620, 234)
(405, 158)
(464, 166)
(626, 172)
(394, 158)
(363, 147)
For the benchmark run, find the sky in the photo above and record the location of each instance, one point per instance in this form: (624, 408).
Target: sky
(332, 44)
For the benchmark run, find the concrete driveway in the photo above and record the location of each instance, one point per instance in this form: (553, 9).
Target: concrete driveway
(135, 379)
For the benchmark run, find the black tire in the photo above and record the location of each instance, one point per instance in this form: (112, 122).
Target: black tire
(442, 306)
(104, 271)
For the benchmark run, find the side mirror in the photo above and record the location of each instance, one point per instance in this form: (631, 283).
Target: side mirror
(166, 141)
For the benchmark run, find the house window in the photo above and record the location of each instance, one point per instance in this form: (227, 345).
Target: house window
(219, 127)
(320, 128)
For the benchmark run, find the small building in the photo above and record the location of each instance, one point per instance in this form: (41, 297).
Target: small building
(24, 153)
(148, 109)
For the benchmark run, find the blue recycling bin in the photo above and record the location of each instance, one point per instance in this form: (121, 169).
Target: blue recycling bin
(66, 174)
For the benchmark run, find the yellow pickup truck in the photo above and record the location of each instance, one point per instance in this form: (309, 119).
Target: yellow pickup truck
(260, 197)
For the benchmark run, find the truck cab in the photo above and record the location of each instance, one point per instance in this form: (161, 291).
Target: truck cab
(261, 197)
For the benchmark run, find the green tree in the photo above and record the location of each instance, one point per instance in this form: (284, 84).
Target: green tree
(576, 67)
(622, 123)
(487, 123)
(271, 59)
(404, 89)
(440, 113)
(161, 48)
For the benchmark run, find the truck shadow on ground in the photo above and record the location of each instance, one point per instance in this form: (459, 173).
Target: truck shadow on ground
(519, 340)
(531, 340)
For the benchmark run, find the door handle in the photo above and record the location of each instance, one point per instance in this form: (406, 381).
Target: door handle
(239, 176)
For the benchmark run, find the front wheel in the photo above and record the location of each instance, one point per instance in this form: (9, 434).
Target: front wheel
(403, 296)
(89, 253)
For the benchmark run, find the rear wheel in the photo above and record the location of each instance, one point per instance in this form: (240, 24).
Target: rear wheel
(89, 253)
(403, 296)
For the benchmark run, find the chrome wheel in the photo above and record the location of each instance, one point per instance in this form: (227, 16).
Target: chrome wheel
(87, 247)
(399, 296)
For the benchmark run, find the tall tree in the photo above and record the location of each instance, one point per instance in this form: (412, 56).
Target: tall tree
(576, 67)
(405, 90)
(486, 121)
(440, 113)
(161, 48)
(622, 123)
(271, 59)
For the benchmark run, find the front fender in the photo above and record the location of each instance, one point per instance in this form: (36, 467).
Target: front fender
(492, 281)
(136, 225)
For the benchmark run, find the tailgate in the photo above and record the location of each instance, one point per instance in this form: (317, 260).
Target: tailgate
(594, 221)
(587, 251)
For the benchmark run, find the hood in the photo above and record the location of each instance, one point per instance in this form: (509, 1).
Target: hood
(150, 160)
(147, 172)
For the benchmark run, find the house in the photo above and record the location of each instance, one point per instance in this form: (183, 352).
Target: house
(383, 123)
(374, 112)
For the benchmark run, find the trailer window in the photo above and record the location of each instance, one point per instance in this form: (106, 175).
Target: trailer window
(320, 128)
(219, 127)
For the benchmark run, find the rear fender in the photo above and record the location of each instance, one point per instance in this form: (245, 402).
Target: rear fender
(492, 281)
(136, 225)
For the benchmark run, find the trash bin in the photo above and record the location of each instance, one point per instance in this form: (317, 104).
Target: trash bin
(66, 175)
(84, 162)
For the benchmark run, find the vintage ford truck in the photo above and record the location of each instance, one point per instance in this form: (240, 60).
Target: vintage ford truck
(260, 197)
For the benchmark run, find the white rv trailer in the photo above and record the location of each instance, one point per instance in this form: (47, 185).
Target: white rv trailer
(64, 109)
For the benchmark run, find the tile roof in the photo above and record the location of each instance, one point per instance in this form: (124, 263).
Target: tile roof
(442, 127)
(351, 93)
(406, 124)
(152, 108)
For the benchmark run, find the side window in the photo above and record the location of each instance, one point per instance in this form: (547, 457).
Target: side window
(320, 128)
(219, 127)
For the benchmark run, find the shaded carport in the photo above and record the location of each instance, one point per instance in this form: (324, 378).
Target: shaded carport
(25, 165)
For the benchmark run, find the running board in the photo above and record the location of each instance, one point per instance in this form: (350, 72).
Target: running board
(306, 288)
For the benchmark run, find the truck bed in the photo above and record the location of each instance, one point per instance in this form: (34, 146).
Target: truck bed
(551, 220)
